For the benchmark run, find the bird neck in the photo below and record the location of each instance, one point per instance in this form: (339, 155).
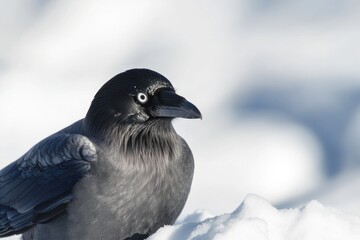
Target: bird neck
(155, 139)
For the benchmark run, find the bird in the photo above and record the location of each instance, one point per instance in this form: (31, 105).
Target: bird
(122, 172)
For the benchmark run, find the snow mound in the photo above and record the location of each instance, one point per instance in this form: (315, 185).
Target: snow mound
(257, 219)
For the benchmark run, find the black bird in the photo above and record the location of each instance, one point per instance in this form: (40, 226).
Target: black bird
(122, 172)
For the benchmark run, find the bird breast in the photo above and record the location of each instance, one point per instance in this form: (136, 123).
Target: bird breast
(135, 192)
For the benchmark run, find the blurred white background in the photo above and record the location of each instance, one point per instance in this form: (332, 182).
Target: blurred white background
(277, 83)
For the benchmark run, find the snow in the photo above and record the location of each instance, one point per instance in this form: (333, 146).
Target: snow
(343, 192)
(297, 62)
(257, 219)
(252, 158)
(55, 67)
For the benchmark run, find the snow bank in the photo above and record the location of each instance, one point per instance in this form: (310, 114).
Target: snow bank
(257, 219)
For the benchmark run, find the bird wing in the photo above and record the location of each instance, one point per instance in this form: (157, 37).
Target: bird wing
(36, 188)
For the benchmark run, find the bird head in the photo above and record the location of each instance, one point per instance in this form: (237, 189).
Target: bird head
(137, 96)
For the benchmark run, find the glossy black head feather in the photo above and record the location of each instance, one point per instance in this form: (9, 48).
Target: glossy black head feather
(116, 99)
(117, 102)
(134, 81)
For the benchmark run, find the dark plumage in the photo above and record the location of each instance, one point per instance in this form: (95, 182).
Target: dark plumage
(122, 172)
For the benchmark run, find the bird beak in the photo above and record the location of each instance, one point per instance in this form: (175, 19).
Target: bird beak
(166, 103)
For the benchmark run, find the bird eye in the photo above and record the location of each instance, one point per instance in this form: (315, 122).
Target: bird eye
(142, 97)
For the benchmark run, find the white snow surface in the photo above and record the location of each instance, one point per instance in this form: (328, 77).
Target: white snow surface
(257, 219)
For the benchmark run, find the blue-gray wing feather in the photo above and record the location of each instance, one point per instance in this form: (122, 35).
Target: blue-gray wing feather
(37, 187)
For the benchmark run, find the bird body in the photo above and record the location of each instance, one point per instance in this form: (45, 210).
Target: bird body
(122, 172)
